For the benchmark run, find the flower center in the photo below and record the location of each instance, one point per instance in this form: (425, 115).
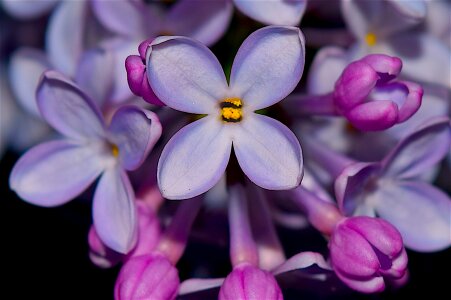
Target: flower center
(115, 150)
(370, 39)
(231, 110)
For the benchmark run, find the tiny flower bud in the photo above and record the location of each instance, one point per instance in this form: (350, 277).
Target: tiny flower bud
(247, 282)
(149, 276)
(366, 251)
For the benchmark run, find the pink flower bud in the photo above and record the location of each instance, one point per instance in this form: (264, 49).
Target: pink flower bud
(366, 251)
(369, 97)
(135, 66)
(247, 282)
(149, 276)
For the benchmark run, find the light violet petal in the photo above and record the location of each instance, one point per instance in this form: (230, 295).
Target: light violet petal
(420, 150)
(67, 109)
(268, 152)
(185, 75)
(95, 74)
(359, 15)
(25, 70)
(65, 35)
(55, 172)
(123, 17)
(326, 68)
(303, 260)
(198, 285)
(268, 66)
(373, 115)
(114, 211)
(273, 12)
(27, 9)
(419, 211)
(205, 21)
(194, 159)
(135, 131)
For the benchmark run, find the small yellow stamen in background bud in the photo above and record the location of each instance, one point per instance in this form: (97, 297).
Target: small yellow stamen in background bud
(370, 39)
(231, 110)
(115, 150)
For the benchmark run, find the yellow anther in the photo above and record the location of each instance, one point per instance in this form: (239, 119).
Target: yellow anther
(370, 39)
(115, 150)
(231, 110)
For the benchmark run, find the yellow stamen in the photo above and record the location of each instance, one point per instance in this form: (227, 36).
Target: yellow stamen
(231, 110)
(115, 150)
(370, 39)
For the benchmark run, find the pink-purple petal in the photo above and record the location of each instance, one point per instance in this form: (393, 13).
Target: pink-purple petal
(185, 75)
(419, 211)
(65, 35)
(25, 70)
(373, 115)
(194, 159)
(114, 211)
(134, 131)
(268, 66)
(273, 12)
(197, 285)
(205, 21)
(67, 109)
(268, 152)
(55, 172)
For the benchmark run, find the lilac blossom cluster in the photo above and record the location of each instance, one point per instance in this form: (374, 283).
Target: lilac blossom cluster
(126, 95)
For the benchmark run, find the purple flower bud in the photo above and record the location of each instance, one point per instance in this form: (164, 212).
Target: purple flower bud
(247, 282)
(149, 276)
(136, 75)
(367, 95)
(366, 251)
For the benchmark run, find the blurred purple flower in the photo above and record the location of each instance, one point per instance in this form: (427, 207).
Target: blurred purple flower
(55, 172)
(28, 9)
(186, 76)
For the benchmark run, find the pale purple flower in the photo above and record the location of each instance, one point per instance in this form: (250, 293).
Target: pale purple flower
(365, 252)
(55, 172)
(186, 76)
(392, 189)
(28, 9)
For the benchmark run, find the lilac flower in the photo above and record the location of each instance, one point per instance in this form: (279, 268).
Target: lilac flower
(28, 9)
(364, 251)
(391, 189)
(186, 76)
(367, 95)
(55, 172)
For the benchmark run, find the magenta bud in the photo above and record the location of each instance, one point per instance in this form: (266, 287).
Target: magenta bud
(135, 66)
(149, 276)
(369, 97)
(365, 252)
(99, 254)
(247, 282)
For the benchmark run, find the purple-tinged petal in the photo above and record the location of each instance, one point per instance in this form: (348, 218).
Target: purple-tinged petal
(67, 109)
(268, 152)
(420, 150)
(419, 211)
(94, 74)
(351, 183)
(185, 75)
(134, 131)
(301, 261)
(268, 66)
(370, 284)
(326, 68)
(205, 21)
(124, 17)
(27, 9)
(65, 35)
(273, 12)
(196, 285)
(55, 172)
(412, 102)
(114, 211)
(384, 65)
(25, 70)
(99, 254)
(373, 115)
(150, 276)
(194, 159)
(423, 57)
